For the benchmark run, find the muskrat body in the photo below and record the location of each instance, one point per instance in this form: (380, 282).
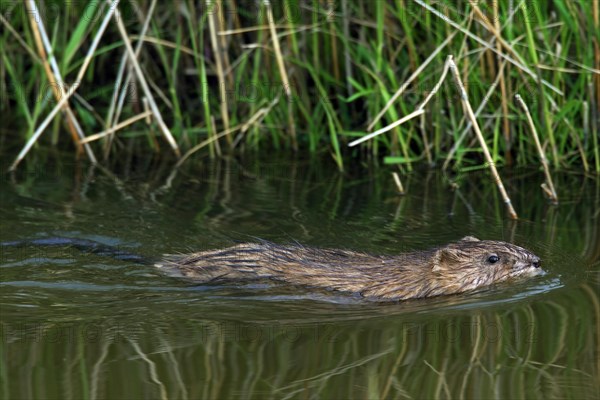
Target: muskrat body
(458, 267)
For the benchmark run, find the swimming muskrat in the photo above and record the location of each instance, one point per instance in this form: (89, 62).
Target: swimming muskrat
(457, 267)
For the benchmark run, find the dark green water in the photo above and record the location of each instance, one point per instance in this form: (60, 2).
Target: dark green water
(80, 326)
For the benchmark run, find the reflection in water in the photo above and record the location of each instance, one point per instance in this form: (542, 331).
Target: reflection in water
(490, 352)
(78, 325)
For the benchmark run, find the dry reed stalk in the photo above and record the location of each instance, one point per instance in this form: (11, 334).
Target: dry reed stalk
(212, 28)
(160, 92)
(114, 128)
(116, 106)
(257, 28)
(53, 74)
(141, 78)
(205, 143)
(463, 134)
(88, 58)
(387, 128)
(503, 91)
(147, 109)
(398, 182)
(518, 63)
(412, 77)
(549, 189)
(282, 72)
(257, 117)
(437, 86)
(469, 110)
(223, 42)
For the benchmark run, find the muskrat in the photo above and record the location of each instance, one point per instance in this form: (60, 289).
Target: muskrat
(458, 267)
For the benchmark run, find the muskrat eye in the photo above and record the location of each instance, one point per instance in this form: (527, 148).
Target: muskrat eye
(493, 259)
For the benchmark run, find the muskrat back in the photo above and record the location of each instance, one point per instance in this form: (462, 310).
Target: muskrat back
(455, 268)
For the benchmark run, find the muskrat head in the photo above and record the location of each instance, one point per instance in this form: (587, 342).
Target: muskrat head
(471, 263)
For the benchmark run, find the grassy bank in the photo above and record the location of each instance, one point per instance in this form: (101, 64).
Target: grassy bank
(306, 76)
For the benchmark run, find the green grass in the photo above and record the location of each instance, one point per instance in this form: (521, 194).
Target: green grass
(339, 83)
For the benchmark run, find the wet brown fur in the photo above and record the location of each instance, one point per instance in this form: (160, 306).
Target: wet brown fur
(455, 268)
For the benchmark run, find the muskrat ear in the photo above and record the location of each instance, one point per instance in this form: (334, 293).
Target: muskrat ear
(444, 259)
(469, 239)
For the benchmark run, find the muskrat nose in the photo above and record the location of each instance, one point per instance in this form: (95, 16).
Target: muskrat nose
(535, 261)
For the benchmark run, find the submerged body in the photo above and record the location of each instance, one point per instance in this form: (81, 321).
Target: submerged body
(458, 267)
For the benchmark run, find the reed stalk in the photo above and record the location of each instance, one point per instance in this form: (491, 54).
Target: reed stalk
(492, 165)
(54, 76)
(219, 68)
(64, 99)
(143, 83)
(550, 185)
(282, 73)
(398, 182)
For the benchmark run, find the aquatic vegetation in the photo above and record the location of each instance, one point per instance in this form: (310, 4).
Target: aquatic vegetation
(220, 76)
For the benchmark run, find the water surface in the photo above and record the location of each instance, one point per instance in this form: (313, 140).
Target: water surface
(76, 325)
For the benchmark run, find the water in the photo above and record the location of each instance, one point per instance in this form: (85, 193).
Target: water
(77, 325)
